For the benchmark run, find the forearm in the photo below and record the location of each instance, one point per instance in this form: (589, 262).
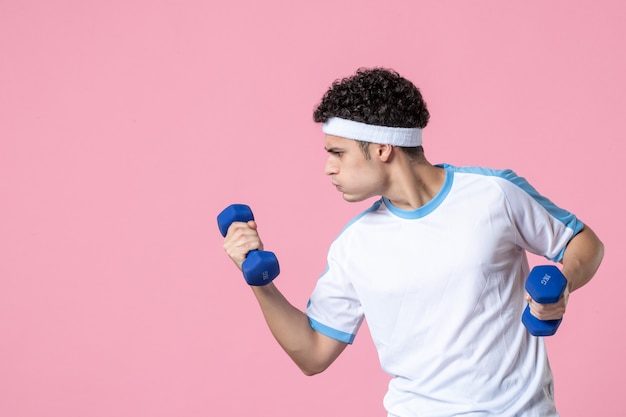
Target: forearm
(311, 351)
(582, 258)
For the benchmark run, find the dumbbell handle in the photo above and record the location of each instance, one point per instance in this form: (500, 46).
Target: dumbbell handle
(545, 284)
(260, 267)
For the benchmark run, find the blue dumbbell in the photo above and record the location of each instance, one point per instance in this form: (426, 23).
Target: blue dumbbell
(545, 284)
(260, 267)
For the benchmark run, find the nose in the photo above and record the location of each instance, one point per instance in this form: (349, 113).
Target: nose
(331, 167)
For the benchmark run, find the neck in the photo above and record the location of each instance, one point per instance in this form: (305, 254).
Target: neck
(413, 184)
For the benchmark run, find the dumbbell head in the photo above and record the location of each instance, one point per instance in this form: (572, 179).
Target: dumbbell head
(545, 284)
(233, 213)
(260, 268)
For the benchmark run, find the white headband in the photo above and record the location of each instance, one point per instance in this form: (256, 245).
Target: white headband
(397, 136)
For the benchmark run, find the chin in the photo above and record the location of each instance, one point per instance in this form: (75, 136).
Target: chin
(353, 198)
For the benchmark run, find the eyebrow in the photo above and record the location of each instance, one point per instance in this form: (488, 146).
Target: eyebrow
(333, 149)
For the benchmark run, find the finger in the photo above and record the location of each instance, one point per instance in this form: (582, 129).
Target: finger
(240, 240)
(547, 311)
(237, 227)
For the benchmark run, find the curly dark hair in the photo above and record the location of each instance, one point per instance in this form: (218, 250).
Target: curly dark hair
(374, 96)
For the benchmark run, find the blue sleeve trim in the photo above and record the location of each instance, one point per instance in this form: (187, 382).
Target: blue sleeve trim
(577, 230)
(332, 333)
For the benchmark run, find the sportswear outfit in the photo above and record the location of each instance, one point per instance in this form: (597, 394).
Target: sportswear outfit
(442, 288)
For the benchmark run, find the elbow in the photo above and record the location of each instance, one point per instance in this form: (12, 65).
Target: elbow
(310, 366)
(316, 356)
(600, 251)
(312, 370)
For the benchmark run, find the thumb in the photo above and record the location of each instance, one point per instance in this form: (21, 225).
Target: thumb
(252, 224)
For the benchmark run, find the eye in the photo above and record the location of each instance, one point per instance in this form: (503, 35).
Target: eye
(336, 152)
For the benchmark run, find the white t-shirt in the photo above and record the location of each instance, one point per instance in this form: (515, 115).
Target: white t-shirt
(442, 288)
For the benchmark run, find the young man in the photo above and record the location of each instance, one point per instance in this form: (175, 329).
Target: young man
(437, 264)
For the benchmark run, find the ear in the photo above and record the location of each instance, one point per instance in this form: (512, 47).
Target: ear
(384, 152)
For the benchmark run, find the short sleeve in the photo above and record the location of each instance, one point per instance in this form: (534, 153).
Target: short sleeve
(541, 227)
(334, 308)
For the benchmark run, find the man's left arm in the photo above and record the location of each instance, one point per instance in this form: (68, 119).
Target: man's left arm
(581, 260)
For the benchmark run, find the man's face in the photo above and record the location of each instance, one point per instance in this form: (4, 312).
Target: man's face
(356, 177)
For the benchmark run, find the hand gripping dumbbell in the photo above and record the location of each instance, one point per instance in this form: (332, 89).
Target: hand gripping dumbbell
(259, 267)
(545, 284)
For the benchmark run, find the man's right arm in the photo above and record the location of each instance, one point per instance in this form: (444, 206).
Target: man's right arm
(311, 351)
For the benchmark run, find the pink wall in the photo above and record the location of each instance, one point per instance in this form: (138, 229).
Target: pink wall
(126, 126)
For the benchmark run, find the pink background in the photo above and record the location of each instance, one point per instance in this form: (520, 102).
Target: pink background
(126, 126)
